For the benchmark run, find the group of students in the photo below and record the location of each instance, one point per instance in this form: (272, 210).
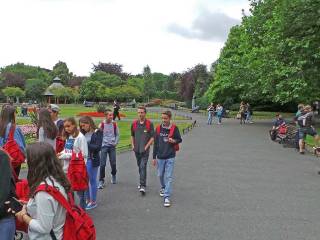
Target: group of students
(49, 160)
(215, 111)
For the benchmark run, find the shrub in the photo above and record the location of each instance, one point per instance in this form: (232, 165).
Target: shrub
(101, 108)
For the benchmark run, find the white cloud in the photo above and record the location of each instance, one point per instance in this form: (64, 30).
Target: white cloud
(82, 32)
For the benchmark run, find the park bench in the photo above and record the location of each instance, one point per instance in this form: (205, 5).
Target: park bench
(88, 104)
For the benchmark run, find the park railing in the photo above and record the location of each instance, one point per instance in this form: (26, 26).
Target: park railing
(189, 127)
(128, 147)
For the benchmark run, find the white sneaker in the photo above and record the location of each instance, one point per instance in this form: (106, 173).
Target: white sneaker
(161, 192)
(142, 190)
(167, 202)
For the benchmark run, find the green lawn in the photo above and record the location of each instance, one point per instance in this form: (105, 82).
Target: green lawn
(309, 139)
(258, 115)
(68, 110)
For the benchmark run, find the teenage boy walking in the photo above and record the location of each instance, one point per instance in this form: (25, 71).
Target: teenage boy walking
(166, 142)
(110, 140)
(142, 136)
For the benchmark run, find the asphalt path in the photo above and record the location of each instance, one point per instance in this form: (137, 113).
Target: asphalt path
(231, 182)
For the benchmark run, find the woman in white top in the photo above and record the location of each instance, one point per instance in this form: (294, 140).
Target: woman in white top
(43, 213)
(75, 142)
(47, 129)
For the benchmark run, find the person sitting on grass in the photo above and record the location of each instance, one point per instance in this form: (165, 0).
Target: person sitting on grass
(306, 127)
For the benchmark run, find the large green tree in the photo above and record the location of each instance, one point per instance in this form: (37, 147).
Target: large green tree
(273, 56)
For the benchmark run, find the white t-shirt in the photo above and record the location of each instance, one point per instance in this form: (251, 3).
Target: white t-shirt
(47, 214)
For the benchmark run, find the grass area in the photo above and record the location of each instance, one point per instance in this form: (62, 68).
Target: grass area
(68, 110)
(258, 115)
(310, 140)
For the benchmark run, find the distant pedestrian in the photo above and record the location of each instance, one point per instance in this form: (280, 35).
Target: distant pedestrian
(219, 112)
(142, 136)
(211, 110)
(166, 142)
(116, 109)
(249, 113)
(242, 112)
(111, 136)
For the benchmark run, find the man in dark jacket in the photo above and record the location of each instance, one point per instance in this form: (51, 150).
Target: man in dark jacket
(166, 141)
(142, 133)
(7, 190)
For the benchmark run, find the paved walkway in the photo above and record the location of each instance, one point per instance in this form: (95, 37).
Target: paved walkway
(231, 183)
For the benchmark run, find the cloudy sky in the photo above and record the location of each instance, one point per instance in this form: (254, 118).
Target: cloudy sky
(169, 35)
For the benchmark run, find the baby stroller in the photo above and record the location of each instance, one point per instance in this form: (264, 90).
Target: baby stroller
(282, 133)
(289, 139)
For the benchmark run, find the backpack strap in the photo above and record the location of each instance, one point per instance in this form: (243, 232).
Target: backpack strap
(57, 195)
(171, 132)
(102, 125)
(148, 125)
(135, 125)
(115, 128)
(158, 129)
(11, 132)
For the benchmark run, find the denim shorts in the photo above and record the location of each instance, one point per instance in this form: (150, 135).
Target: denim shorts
(303, 132)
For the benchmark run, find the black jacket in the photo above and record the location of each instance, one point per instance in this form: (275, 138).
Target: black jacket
(162, 149)
(94, 147)
(7, 185)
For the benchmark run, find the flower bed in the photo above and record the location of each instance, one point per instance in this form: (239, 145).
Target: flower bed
(28, 129)
(30, 132)
(97, 114)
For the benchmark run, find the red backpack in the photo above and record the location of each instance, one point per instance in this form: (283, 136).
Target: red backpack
(77, 173)
(13, 149)
(135, 125)
(114, 127)
(283, 129)
(171, 132)
(78, 224)
(60, 142)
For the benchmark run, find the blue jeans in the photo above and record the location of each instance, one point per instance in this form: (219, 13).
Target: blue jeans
(165, 173)
(91, 194)
(210, 116)
(82, 198)
(105, 151)
(7, 228)
(219, 117)
(248, 117)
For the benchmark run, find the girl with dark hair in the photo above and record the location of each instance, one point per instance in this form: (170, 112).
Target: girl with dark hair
(47, 129)
(43, 213)
(75, 142)
(94, 138)
(8, 122)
